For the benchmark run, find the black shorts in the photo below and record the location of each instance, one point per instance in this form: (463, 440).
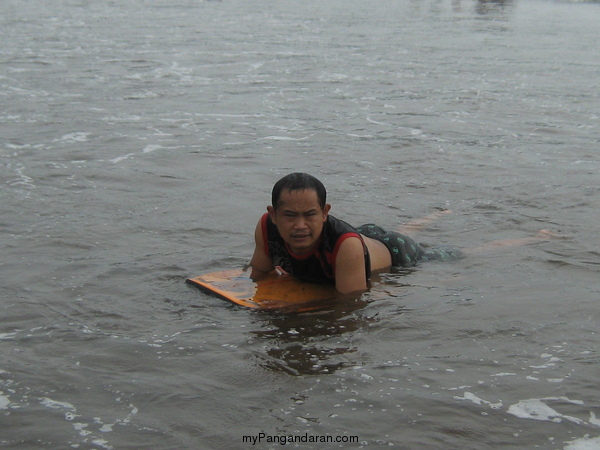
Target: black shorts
(404, 250)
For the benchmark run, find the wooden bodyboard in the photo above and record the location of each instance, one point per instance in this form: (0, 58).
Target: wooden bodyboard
(274, 292)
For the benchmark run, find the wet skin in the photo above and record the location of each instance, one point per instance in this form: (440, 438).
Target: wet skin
(299, 219)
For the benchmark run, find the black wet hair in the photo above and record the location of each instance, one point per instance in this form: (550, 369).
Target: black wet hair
(298, 182)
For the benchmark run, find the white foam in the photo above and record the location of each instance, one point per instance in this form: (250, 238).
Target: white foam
(285, 138)
(148, 149)
(478, 401)
(21, 179)
(550, 361)
(81, 427)
(536, 409)
(121, 158)
(123, 119)
(80, 136)
(152, 148)
(376, 122)
(584, 443)
(48, 402)
(4, 401)
(102, 443)
(7, 336)
(106, 427)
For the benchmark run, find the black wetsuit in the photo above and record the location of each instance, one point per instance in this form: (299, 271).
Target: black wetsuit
(319, 265)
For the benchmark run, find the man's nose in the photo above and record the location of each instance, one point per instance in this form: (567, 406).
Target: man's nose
(300, 223)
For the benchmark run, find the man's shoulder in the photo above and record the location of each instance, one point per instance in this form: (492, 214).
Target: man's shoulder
(336, 232)
(339, 225)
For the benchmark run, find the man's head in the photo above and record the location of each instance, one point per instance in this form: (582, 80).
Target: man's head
(298, 182)
(299, 211)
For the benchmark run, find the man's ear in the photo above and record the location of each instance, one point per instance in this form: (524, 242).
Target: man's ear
(272, 214)
(326, 209)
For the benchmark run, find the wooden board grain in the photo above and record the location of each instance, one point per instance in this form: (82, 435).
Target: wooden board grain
(273, 292)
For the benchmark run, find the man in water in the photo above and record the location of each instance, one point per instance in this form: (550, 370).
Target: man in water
(298, 236)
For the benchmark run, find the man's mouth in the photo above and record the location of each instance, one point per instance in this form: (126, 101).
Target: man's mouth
(300, 236)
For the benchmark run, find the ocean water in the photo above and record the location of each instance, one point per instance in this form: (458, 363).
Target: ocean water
(139, 141)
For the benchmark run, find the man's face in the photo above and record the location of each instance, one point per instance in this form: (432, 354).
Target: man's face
(299, 219)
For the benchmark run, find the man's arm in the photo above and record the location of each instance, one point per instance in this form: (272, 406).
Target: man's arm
(350, 270)
(261, 262)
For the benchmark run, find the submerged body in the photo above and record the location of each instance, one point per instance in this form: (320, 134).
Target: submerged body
(299, 236)
(318, 264)
(299, 219)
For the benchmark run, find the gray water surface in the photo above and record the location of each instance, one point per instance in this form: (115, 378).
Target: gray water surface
(139, 141)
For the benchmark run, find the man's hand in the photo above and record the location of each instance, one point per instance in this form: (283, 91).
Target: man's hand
(261, 263)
